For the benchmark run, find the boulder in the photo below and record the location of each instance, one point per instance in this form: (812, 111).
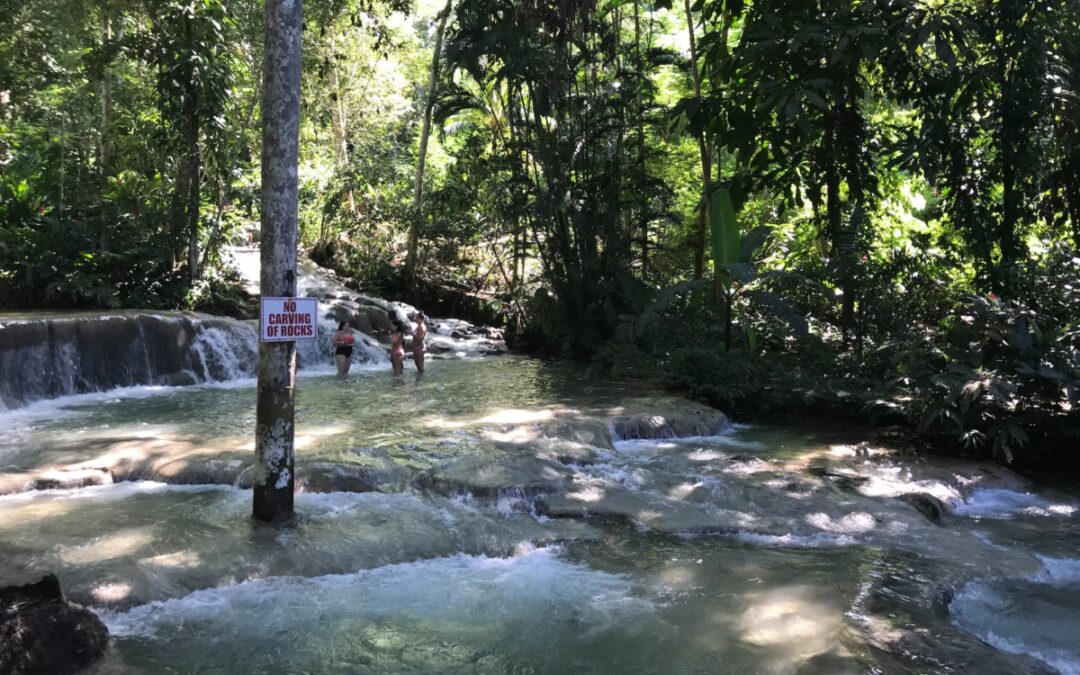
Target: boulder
(181, 378)
(689, 422)
(928, 505)
(41, 632)
(378, 318)
(362, 323)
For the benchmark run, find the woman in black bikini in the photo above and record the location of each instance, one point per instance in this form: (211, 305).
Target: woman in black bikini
(343, 341)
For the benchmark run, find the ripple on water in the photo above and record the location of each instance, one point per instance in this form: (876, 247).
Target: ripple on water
(1000, 503)
(1035, 616)
(398, 616)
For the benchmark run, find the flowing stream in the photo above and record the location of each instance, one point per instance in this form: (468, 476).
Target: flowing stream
(504, 514)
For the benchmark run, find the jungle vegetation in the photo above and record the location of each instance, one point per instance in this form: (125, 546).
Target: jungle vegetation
(866, 209)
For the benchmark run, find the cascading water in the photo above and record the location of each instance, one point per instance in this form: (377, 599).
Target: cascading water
(64, 355)
(486, 518)
(498, 515)
(50, 355)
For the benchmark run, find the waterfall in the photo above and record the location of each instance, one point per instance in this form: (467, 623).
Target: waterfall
(62, 355)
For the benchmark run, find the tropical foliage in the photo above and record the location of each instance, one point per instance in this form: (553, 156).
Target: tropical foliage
(779, 206)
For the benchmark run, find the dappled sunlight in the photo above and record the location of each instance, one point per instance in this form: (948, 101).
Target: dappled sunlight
(177, 560)
(111, 593)
(683, 490)
(879, 629)
(792, 620)
(590, 494)
(851, 523)
(680, 575)
(516, 435)
(507, 416)
(19, 513)
(121, 543)
(703, 455)
(307, 437)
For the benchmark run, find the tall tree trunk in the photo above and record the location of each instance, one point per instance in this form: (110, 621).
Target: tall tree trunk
(703, 149)
(339, 127)
(274, 477)
(185, 197)
(105, 149)
(643, 207)
(106, 94)
(418, 188)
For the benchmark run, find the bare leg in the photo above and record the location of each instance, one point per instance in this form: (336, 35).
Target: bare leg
(418, 359)
(399, 367)
(342, 364)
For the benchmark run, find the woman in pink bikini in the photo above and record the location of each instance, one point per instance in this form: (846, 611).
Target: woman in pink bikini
(397, 348)
(418, 345)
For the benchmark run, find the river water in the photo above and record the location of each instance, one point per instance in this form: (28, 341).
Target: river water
(490, 518)
(499, 515)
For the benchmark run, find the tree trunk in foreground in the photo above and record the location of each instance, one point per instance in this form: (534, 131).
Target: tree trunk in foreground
(277, 360)
(425, 133)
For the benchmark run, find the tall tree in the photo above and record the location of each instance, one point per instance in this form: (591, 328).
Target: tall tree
(274, 478)
(425, 133)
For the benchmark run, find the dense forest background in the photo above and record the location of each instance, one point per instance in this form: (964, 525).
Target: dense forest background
(866, 210)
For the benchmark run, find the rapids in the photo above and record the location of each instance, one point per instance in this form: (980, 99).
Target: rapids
(498, 515)
(488, 518)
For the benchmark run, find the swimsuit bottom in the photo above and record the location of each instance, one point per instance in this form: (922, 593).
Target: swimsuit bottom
(344, 350)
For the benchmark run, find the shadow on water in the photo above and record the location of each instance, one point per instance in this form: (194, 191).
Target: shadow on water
(481, 518)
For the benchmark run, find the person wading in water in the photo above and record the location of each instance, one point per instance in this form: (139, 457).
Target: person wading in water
(343, 342)
(397, 348)
(418, 344)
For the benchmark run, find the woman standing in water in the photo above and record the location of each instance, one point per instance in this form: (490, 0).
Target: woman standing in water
(343, 341)
(397, 348)
(418, 344)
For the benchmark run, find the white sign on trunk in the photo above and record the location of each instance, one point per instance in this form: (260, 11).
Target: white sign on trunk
(284, 319)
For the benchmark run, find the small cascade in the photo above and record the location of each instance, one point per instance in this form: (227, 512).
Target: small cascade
(224, 353)
(63, 355)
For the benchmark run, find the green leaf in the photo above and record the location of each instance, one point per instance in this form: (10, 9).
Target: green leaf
(725, 228)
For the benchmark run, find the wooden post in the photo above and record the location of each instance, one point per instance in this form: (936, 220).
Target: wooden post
(274, 478)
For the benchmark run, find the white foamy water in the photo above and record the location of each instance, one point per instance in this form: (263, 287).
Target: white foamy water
(1000, 503)
(1035, 616)
(817, 540)
(469, 604)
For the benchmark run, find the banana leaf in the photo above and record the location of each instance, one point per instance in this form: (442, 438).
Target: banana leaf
(725, 229)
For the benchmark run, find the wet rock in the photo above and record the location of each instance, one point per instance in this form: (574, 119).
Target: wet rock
(52, 479)
(845, 480)
(325, 477)
(688, 421)
(484, 478)
(362, 323)
(902, 617)
(199, 472)
(832, 663)
(928, 505)
(380, 322)
(182, 378)
(41, 632)
(339, 314)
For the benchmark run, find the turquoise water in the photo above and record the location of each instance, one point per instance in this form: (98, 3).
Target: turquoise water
(503, 532)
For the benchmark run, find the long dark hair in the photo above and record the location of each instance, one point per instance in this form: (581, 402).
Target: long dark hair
(341, 326)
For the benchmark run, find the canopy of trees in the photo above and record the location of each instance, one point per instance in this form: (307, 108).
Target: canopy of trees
(869, 208)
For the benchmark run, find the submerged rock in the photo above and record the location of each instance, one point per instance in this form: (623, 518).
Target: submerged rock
(669, 419)
(928, 505)
(483, 478)
(41, 632)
